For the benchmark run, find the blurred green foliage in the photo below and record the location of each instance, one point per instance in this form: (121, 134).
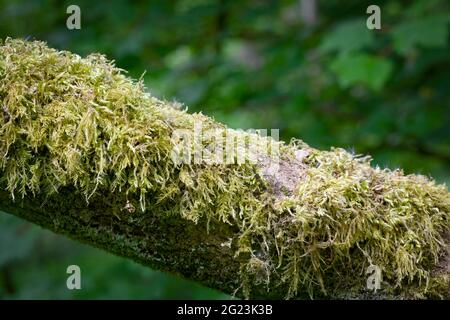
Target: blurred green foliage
(250, 64)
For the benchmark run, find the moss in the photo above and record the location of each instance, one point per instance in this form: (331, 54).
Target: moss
(351, 216)
(80, 123)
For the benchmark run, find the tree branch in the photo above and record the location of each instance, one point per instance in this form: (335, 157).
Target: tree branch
(88, 153)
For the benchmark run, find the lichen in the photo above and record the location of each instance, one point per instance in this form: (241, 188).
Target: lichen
(81, 123)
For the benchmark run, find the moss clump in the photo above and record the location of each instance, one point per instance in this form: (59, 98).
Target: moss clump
(81, 123)
(351, 216)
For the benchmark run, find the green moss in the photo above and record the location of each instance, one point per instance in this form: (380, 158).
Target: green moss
(351, 216)
(80, 123)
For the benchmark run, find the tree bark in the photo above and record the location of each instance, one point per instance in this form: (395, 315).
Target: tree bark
(170, 244)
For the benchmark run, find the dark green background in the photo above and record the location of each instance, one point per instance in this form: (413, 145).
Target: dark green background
(250, 64)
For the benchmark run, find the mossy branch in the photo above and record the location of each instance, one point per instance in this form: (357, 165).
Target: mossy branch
(87, 152)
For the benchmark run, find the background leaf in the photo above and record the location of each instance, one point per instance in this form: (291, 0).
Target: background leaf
(362, 69)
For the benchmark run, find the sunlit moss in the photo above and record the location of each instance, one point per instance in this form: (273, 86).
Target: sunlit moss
(80, 122)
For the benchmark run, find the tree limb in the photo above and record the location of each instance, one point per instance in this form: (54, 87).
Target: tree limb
(88, 153)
